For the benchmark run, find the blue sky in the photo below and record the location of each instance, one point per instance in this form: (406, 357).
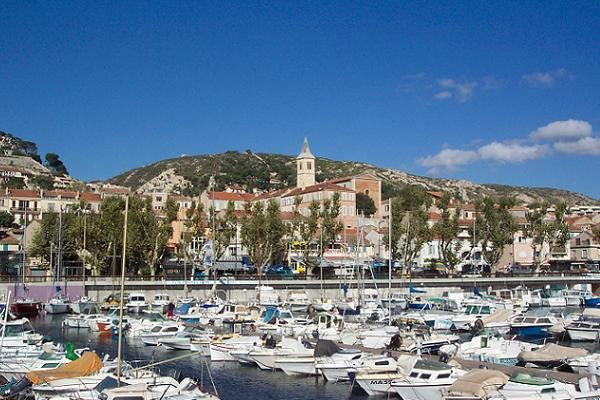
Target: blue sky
(503, 92)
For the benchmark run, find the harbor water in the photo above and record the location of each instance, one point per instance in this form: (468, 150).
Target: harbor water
(233, 381)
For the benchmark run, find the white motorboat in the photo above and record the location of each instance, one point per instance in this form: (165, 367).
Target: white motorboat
(82, 321)
(16, 368)
(193, 339)
(57, 305)
(84, 305)
(489, 348)
(266, 296)
(426, 380)
(167, 389)
(220, 347)
(581, 330)
(266, 358)
(160, 302)
(136, 303)
(341, 370)
(158, 332)
(380, 383)
(298, 301)
(19, 334)
(397, 300)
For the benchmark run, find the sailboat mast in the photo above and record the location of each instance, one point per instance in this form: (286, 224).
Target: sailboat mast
(5, 319)
(390, 266)
(120, 348)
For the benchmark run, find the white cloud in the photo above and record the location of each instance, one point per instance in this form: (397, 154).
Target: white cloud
(463, 91)
(571, 129)
(449, 159)
(544, 79)
(512, 152)
(587, 145)
(442, 95)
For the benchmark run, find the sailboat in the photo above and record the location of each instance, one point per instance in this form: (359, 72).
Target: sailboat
(24, 307)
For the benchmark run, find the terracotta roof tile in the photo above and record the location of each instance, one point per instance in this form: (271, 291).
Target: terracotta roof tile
(24, 193)
(90, 197)
(230, 196)
(319, 187)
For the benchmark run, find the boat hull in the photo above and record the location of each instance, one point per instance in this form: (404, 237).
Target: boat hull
(582, 335)
(25, 309)
(56, 308)
(304, 366)
(410, 391)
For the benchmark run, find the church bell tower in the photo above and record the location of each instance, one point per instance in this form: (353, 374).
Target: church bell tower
(305, 167)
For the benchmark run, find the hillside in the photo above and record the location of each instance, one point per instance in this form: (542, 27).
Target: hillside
(190, 175)
(21, 165)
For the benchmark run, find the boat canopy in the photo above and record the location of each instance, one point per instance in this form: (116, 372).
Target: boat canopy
(326, 348)
(551, 352)
(477, 383)
(88, 364)
(497, 316)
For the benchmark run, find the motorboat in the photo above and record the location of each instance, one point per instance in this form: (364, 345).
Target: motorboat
(194, 339)
(84, 305)
(57, 305)
(82, 321)
(18, 334)
(167, 389)
(551, 355)
(221, 346)
(487, 384)
(586, 327)
(25, 308)
(341, 370)
(297, 301)
(426, 380)
(158, 332)
(377, 383)
(304, 362)
(160, 302)
(489, 348)
(552, 298)
(398, 301)
(532, 326)
(269, 357)
(267, 296)
(136, 303)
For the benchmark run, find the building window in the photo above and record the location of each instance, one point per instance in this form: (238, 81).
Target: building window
(309, 165)
(584, 254)
(300, 166)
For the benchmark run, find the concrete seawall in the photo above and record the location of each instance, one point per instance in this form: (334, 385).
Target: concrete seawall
(245, 290)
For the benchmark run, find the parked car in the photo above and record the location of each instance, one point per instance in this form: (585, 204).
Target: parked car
(282, 271)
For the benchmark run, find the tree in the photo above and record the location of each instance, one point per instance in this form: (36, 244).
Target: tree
(330, 223)
(171, 209)
(6, 219)
(54, 163)
(305, 228)
(262, 233)
(543, 229)
(225, 228)
(446, 230)
(495, 227)
(365, 204)
(195, 223)
(410, 229)
(44, 182)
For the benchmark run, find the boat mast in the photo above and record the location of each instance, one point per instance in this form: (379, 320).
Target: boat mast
(5, 319)
(120, 345)
(24, 245)
(390, 266)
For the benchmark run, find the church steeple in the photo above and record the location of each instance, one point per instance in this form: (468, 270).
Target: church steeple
(305, 167)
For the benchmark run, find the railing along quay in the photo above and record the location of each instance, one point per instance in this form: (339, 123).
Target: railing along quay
(249, 282)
